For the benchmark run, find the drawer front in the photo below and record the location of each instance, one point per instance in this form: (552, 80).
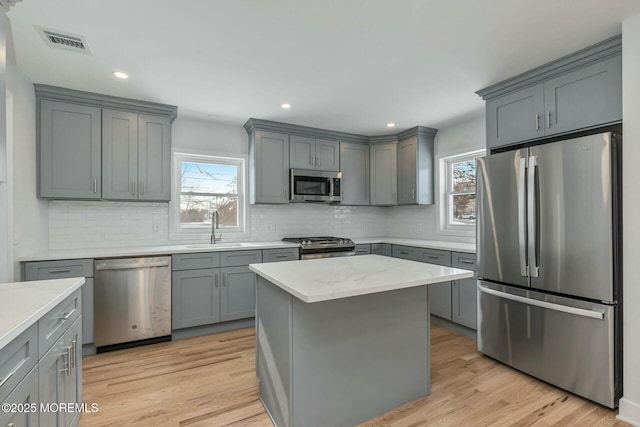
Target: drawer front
(26, 394)
(435, 256)
(363, 249)
(231, 259)
(54, 324)
(463, 260)
(46, 270)
(276, 255)
(17, 359)
(405, 252)
(195, 261)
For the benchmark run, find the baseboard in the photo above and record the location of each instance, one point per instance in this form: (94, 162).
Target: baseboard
(454, 327)
(629, 411)
(198, 331)
(88, 350)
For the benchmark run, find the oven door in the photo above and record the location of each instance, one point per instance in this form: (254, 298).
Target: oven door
(311, 186)
(319, 255)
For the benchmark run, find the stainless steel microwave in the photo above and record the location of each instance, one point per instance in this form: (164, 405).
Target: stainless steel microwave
(315, 186)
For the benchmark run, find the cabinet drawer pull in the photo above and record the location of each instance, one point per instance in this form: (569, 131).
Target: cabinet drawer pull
(433, 256)
(7, 378)
(403, 252)
(282, 256)
(60, 270)
(464, 261)
(67, 315)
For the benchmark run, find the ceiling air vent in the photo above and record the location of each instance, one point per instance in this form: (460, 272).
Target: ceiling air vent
(65, 41)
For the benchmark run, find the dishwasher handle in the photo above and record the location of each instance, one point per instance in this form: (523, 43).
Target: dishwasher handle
(117, 266)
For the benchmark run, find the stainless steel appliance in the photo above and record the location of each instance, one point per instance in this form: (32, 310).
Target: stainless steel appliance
(132, 300)
(548, 251)
(323, 247)
(315, 186)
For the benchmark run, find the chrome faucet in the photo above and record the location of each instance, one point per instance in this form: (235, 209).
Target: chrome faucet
(214, 227)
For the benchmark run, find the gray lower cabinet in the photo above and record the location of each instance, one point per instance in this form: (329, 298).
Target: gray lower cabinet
(575, 92)
(268, 167)
(405, 252)
(381, 249)
(238, 293)
(45, 270)
(383, 163)
(68, 151)
(362, 249)
(136, 156)
(195, 297)
(465, 292)
(60, 379)
(354, 165)
(26, 393)
(277, 255)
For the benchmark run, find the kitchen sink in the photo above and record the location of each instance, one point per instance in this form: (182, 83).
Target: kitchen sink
(217, 245)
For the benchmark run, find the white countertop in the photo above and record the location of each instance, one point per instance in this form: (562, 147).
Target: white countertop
(153, 250)
(23, 303)
(418, 243)
(333, 278)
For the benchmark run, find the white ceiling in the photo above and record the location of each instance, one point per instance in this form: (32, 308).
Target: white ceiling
(348, 65)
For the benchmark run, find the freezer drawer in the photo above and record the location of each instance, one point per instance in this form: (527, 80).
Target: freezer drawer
(566, 342)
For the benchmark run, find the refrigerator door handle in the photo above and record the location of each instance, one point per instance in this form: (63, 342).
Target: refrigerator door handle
(532, 216)
(522, 217)
(594, 314)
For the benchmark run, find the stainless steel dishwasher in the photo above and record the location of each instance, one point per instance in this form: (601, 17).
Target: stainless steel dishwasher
(132, 300)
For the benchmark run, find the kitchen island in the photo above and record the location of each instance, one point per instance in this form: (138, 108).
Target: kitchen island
(342, 340)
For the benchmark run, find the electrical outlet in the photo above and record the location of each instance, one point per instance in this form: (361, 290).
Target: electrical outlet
(156, 228)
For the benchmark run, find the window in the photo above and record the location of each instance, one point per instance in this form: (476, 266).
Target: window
(459, 193)
(206, 184)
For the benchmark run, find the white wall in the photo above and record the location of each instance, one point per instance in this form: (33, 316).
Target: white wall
(421, 222)
(28, 215)
(630, 403)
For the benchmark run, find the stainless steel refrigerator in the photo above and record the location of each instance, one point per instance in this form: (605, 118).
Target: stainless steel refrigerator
(548, 250)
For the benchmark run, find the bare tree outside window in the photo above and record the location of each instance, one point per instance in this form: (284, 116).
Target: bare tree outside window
(461, 190)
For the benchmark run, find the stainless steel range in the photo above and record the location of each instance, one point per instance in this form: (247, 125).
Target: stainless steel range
(323, 247)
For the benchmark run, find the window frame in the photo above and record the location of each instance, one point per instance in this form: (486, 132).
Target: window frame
(446, 225)
(185, 232)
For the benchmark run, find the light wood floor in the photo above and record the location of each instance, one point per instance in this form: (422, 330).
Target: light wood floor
(210, 381)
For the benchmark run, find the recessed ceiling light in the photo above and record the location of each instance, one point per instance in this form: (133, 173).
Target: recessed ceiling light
(120, 75)
(286, 106)
(391, 125)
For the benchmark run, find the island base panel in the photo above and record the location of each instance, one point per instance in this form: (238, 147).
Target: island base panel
(341, 362)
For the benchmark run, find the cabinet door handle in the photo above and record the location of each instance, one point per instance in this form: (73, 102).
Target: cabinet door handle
(413, 194)
(215, 280)
(318, 161)
(142, 188)
(537, 121)
(224, 282)
(548, 119)
(7, 378)
(69, 361)
(95, 185)
(133, 188)
(74, 348)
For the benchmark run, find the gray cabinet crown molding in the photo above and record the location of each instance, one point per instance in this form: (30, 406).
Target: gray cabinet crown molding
(589, 55)
(383, 139)
(418, 131)
(103, 101)
(267, 125)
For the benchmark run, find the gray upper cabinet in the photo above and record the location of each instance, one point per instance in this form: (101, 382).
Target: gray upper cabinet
(415, 166)
(136, 156)
(383, 174)
(579, 91)
(586, 97)
(515, 117)
(93, 146)
(119, 155)
(354, 164)
(154, 157)
(268, 167)
(69, 151)
(311, 153)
